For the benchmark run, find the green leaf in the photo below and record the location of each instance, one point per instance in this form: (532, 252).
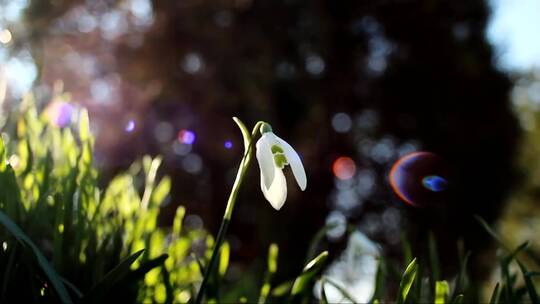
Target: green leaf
(99, 290)
(273, 252)
(7, 272)
(317, 239)
(458, 299)
(310, 270)
(342, 290)
(3, 159)
(441, 292)
(51, 274)
(282, 289)
(407, 281)
(462, 275)
(495, 295)
(529, 284)
(406, 247)
(139, 273)
(272, 268)
(84, 126)
(324, 299)
(161, 191)
(73, 288)
(380, 280)
(224, 254)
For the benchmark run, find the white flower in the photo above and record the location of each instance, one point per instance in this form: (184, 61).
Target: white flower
(273, 154)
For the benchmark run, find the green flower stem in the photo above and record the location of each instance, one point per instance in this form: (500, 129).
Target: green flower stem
(242, 169)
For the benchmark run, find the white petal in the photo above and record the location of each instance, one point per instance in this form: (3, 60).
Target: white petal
(295, 163)
(276, 194)
(265, 159)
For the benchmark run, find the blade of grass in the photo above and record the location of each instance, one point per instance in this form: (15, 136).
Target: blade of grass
(462, 275)
(342, 290)
(495, 295)
(533, 256)
(406, 247)
(310, 270)
(282, 289)
(407, 281)
(224, 259)
(458, 299)
(533, 295)
(380, 280)
(51, 274)
(73, 288)
(117, 273)
(324, 299)
(510, 294)
(316, 240)
(441, 292)
(273, 252)
(7, 272)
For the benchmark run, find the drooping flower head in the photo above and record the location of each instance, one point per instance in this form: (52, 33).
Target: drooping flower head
(273, 155)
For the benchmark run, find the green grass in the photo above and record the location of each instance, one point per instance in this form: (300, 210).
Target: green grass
(63, 239)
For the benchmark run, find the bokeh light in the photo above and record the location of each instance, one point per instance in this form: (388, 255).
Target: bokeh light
(130, 126)
(59, 113)
(192, 163)
(163, 132)
(341, 122)
(5, 36)
(344, 168)
(186, 137)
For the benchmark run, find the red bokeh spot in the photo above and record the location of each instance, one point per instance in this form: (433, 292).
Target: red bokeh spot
(344, 167)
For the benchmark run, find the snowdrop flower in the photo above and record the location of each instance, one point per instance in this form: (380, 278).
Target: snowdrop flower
(273, 154)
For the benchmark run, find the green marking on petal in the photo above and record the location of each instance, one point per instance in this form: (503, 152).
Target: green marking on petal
(277, 149)
(280, 160)
(265, 128)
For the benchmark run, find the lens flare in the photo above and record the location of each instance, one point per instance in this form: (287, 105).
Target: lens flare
(419, 178)
(344, 168)
(435, 183)
(186, 137)
(228, 145)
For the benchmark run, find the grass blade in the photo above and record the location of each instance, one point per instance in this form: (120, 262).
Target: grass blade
(324, 299)
(273, 252)
(529, 284)
(116, 274)
(310, 270)
(407, 281)
(51, 274)
(342, 290)
(495, 295)
(458, 299)
(7, 272)
(462, 276)
(441, 292)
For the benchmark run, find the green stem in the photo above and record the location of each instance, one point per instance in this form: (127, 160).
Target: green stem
(244, 165)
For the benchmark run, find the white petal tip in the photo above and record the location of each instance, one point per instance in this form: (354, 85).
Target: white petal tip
(277, 206)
